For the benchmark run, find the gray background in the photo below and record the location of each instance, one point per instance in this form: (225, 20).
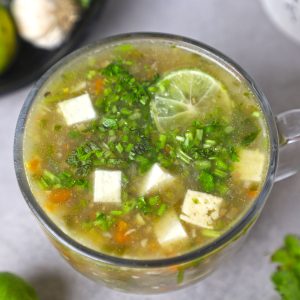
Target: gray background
(241, 30)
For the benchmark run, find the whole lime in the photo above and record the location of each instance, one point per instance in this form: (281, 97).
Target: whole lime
(13, 287)
(8, 39)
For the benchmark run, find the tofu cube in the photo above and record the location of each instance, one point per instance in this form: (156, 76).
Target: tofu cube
(200, 209)
(77, 110)
(250, 166)
(169, 230)
(107, 186)
(155, 179)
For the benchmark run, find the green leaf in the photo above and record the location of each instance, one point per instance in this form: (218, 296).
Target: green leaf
(104, 221)
(109, 123)
(207, 181)
(286, 278)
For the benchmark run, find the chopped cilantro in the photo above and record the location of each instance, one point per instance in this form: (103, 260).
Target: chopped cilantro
(74, 134)
(249, 138)
(109, 123)
(286, 278)
(162, 209)
(207, 181)
(104, 221)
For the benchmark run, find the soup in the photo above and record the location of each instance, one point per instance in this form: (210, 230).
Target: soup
(145, 150)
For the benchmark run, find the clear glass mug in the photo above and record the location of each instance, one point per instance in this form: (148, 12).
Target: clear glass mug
(161, 275)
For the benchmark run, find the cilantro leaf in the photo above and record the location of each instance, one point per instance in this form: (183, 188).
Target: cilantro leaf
(286, 278)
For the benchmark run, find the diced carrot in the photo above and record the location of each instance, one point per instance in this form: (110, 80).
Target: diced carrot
(152, 246)
(252, 193)
(122, 226)
(50, 206)
(59, 196)
(119, 236)
(98, 85)
(34, 165)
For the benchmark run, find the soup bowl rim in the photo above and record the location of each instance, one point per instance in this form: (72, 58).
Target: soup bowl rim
(237, 229)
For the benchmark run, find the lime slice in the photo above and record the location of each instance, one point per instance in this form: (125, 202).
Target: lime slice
(186, 95)
(8, 40)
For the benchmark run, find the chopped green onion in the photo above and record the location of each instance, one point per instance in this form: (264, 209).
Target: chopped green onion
(128, 206)
(203, 164)
(116, 212)
(120, 148)
(153, 200)
(210, 233)
(221, 164)
(162, 209)
(183, 156)
(256, 114)
(228, 129)
(180, 138)
(162, 140)
(207, 181)
(199, 134)
(220, 173)
(109, 123)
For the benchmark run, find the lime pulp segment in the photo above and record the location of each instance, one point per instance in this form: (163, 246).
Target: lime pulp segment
(186, 95)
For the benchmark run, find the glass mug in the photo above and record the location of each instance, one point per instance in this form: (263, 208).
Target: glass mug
(167, 274)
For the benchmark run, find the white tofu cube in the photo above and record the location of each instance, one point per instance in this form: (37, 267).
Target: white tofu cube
(77, 110)
(250, 166)
(200, 209)
(107, 186)
(155, 179)
(169, 230)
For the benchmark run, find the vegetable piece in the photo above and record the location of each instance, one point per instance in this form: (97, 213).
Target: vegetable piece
(286, 278)
(169, 230)
(104, 221)
(155, 180)
(77, 110)
(34, 165)
(59, 196)
(120, 233)
(252, 193)
(250, 166)
(211, 233)
(200, 209)
(98, 85)
(107, 186)
(13, 287)
(207, 181)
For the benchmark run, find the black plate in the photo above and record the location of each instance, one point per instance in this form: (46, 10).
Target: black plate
(32, 62)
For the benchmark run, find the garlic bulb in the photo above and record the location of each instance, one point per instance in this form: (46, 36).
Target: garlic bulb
(45, 23)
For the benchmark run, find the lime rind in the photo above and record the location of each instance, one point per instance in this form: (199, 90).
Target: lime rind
(8, 40)
(185, 95)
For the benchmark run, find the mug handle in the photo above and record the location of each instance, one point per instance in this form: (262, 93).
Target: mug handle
(288, 126)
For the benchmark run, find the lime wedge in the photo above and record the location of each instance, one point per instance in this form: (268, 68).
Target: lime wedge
(8, 40)
(13, 287)
(186, 95)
